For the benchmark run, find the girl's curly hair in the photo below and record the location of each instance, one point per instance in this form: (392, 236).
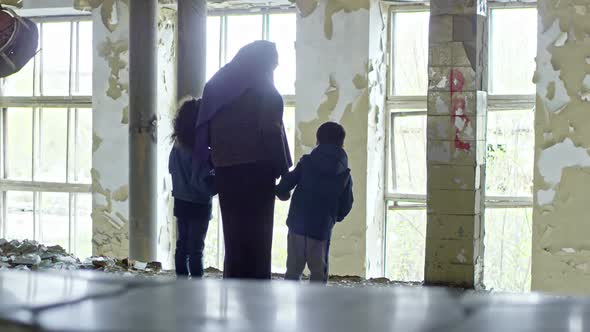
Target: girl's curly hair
(184, 123)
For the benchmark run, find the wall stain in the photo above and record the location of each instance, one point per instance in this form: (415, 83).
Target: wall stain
(360, 81)
(96, 142)
(307, 129)
(121, 194)
(562, 162)
(111, 51)
(551, 91)
(306, 7)
(125, 115)
(335, 6)
(109, 10)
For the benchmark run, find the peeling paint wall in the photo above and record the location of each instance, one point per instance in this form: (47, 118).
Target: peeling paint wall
(561, 246)
(110, 137)
(341, 78)
(377, 85)
(166, 112)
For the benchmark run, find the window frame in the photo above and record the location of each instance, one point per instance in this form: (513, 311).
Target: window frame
(72, 104)
(289, 99)
(398, 106)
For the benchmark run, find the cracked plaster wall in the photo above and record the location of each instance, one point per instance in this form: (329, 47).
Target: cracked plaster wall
(561, 246)
(110, 133)
(341, 77)
(110, 173)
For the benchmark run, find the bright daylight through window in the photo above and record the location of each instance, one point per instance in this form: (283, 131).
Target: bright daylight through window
(510, 139)
(46, 141)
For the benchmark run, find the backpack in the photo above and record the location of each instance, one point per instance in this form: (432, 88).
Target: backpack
(19, 38)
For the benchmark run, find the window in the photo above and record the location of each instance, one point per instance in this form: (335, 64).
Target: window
(226, 34)
(510, 147)
(405, 235)
(46, 140)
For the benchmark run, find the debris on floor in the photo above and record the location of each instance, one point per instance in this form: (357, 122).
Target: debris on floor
(30, 255)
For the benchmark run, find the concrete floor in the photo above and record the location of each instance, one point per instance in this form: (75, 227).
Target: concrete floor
(87, 301)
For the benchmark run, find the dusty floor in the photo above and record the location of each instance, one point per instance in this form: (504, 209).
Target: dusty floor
(30, 255)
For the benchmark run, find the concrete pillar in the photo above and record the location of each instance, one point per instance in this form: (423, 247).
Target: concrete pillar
(143, 120)
(110, 152)
(560, 261)
(456, 143)
(341, 77)
(191, 47)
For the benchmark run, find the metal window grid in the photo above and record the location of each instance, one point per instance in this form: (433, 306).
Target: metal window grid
(37, 102)
(399, 106)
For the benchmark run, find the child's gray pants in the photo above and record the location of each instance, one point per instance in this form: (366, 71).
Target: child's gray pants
(301, 250)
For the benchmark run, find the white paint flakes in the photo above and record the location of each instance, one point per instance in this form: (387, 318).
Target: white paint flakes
(461, 256)
(545, 197)
(561, 40)
(459, 123)
(580, 10)
(586, 81)
(546, 74)
(547, 136)
(552, 162)
(582, 267)
(442, 83)
(569, 250)
(441, 106)
(588, 60)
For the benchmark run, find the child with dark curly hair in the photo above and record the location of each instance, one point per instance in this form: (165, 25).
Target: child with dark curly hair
(192, 188)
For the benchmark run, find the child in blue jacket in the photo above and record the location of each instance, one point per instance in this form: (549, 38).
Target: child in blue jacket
(192, 188)
(322, 197)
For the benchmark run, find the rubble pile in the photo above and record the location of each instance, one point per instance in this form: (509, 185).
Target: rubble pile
(30, 255)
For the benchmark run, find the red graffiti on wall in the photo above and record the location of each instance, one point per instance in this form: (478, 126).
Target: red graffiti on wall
(458, 101)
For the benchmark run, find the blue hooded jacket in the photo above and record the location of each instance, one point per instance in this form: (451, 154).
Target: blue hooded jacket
(323, 192)
(190, 183)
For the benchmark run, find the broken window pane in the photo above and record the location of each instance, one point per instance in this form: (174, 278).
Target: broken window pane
(406, 244)
(213, 38)
(410, 53)
(83, 82)
(283, 31)
(83, 146)
(512, 55)
(510, 153)
(409, 154)
(508, 249)
(55, 53)
(53, 145)
(242, 30)
(19, 143)
(19, 215)
(83, 225)
(54, 219)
